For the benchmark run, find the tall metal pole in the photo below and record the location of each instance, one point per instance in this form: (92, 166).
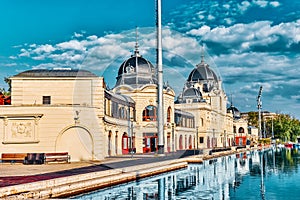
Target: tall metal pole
(159, 79)
(259, 104)
(272, 129)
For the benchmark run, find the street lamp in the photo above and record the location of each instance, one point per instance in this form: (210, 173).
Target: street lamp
(197, 135)
(259, 105)
(173, 137)
(131, 136)
(272, 129)
(213, 138)
(225, 138)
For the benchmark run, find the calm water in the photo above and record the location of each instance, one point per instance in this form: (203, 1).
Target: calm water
(272, 174)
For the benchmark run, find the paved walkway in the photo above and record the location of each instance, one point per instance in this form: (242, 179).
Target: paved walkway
(14, 174)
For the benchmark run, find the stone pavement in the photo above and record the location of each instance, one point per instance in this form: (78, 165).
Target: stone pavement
(15, 174)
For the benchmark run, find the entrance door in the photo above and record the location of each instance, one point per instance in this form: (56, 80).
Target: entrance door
(153, 144)
(125, 144)
(150, 143)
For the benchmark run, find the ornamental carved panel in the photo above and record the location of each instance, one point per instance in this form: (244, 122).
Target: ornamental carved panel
(20, 130)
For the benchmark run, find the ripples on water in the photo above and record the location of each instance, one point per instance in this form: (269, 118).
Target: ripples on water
(270, 175)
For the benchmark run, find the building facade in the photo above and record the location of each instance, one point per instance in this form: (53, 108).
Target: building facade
(69, 110)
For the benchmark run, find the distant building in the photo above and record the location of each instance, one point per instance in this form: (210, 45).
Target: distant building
(204, 97)
(240, 127)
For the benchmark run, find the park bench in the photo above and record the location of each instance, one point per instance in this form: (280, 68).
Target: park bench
(13, 157)
(63, 157)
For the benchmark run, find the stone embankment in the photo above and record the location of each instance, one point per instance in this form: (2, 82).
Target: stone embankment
(76, 184)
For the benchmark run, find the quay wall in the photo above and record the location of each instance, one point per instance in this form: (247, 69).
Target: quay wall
(77, 184)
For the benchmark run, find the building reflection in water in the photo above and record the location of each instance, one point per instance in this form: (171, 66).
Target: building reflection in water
(214, 179)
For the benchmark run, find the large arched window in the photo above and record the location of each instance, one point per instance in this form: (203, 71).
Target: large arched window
(149, 113)
(169, 113)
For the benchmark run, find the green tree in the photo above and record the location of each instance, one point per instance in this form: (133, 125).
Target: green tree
(285, 127)
(8, 81)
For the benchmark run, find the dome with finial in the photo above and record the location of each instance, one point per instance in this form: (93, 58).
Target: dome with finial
(202, 72)
(235, 112)
(204, 77)
(136, 71)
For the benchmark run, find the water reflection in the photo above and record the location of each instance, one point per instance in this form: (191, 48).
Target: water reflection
(249, 175)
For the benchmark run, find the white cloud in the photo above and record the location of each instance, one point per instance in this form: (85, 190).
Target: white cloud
(261, 3)
(244, 6)
(243, 37)
(10, 64)
(13, 57)
(78, 35)
(24, 53)
(46, 48)
(211, 17)
(274, 3)
(72, 44)
(92, 37)
(201, 31)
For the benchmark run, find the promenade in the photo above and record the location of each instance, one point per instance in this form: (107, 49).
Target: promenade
(61, 180)
(14, 174)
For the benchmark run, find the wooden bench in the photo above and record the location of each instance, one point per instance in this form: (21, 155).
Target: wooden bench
(63, 157)
(13, 157)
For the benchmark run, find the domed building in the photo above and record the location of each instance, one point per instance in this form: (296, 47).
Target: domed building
(136, 72)
(72, 110)
(137, 80)
(204, 97)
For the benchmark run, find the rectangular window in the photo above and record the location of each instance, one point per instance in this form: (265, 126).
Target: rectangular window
(201, 140)
(46, 100)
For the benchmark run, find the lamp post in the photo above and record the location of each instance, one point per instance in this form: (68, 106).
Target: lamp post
(234, 137)
(160, 80)
(131, 137)
(213, 138)
(173, 138)
(197, 135)
(225, 138)
(259, 105)
(272, 129)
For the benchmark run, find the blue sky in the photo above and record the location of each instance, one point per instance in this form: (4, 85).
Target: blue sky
(249, 43)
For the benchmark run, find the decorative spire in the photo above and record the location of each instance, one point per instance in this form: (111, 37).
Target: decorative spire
(202, 54)
(136, 51)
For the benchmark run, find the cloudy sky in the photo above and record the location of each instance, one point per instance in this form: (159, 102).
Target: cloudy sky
(248, 43)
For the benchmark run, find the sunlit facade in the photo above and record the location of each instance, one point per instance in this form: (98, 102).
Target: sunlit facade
(68, 110)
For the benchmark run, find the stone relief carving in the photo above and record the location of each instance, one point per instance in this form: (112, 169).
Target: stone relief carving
(21, 129)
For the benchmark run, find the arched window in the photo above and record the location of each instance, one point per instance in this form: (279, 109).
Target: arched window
(125, 143)
(180, 142)
(116, 143)
(169, 113)
(122, 113)
(241, 130)
(190, 142)
(149, 113)
(109, 143)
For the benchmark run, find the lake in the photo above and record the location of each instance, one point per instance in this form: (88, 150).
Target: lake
(270, 174)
